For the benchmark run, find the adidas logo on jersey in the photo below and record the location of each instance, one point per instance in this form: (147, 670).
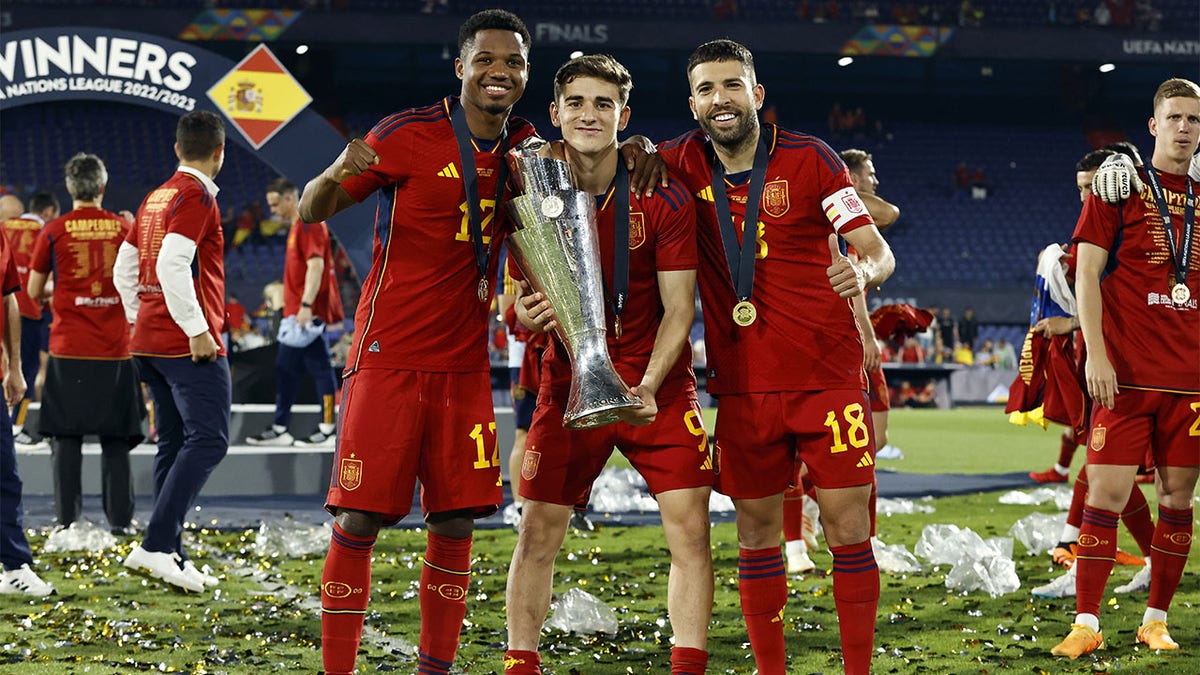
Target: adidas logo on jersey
(374, 347)
(706, 194)
(866, 460)
(449, 172)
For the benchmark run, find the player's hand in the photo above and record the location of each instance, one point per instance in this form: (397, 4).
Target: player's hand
(1055, 325)
(1101, 380)
(14, 386)
(646, 166)
(304, 317)
(534, 310)
(203, 348)
(1116, 179)
(871, 356)
(355, 159)
(127, 215)
(845, 277)
(643, 414)
(1194, 168)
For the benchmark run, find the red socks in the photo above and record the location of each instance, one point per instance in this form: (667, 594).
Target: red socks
(762, 585)
(1078, 498)
(1094, 558)
(688, 661)
(445, 578)
(518, 662)
(345, 591)
(1067, 450)
(1168, 555)
(1136, 517)
(856, 595)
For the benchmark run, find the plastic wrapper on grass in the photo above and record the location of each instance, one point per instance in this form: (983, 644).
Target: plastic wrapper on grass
(81, 535)
(1038, 532)
(888, 507)
(995, 576)
(289, 539)
(621, 491)
(1060, 496)
(894, 558)
(944, 544)
(582, 613)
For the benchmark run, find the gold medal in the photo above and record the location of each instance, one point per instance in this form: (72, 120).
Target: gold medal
(617, 327)
(483, 290)
(1180, 294)
(744, 313)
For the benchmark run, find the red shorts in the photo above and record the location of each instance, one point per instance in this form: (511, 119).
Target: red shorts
(878, 395)
(398, 426)
(671, 453)
(1146, 423)
(759, 437)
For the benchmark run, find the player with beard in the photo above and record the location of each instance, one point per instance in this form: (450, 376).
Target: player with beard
(785, 355)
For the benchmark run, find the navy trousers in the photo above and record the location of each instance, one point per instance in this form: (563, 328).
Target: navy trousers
(14, 547)
(34, 337)
(290, 365)
(191, 408)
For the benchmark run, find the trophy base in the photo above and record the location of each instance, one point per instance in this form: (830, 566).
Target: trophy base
(600, 413)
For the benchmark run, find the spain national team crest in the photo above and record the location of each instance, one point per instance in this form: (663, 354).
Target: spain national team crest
(853, 204)
(637, 230)
(529, 465)
(350, 474)
(775, 201)
(1097, 442)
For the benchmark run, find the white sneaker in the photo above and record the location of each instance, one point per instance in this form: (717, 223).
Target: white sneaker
(24, 580)
(271, 437)
(798, 561)
(317, 440)
(808, 529)
(26, 443)
(1061, 587)
(201, 573)
(1140, 582)
(164, 566)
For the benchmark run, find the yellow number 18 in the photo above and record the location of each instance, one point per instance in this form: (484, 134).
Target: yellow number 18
(857, 434)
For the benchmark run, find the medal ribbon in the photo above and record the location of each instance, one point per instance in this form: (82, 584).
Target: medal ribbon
(620, 280)
(466, 156)
(741, 260)
(1181, 257)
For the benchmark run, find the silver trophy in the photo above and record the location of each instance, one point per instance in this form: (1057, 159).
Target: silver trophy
(556, 246)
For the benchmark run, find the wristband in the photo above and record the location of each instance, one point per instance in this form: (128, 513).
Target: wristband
(307, 305)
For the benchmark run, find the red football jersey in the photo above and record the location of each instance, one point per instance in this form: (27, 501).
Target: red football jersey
(22, 234)
(10, 279)
(184, 206)
(662, 238)
(80, 248)
(305, 241)
(1150, 340)
(420, 308)
(805, 337)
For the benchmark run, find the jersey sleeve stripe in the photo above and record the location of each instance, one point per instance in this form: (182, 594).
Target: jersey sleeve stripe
(680, 140)
(387, 126)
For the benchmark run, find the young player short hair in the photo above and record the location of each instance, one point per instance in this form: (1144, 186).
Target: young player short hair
(600, 66)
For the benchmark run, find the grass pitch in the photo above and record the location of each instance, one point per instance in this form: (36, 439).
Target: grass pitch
(264, 618)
